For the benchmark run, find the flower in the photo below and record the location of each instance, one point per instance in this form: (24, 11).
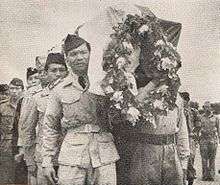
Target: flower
(166, 63)
(117, 106)
(143, 28)
(133, 115)
(117, 96)
(127, 45)
(133, 86)
(159, 42)
(121, 62)
(162, 89)
(158, 104)
(157, 53)
(108, 89)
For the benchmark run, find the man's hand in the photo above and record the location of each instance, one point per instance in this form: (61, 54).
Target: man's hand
(19, 157)
(50, 174)
(32, 169)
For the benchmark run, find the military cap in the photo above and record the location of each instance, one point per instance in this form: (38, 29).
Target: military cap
(40, 62)
(55, 58)
(73, 42)
(17, 82)
(31, 71)
(185, 96)
(4, 88)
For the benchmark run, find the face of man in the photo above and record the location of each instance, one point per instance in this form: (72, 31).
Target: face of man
(78, 59)
(56, 71)
(15, 91)
(33, 80)
(42, 75)
(207, 107)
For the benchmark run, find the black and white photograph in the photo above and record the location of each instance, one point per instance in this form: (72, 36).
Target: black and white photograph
(109, 92)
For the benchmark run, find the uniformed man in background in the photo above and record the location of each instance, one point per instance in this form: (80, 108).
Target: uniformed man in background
(21, 176)
(87, 154)
(40, 62)
(7, 118)
(4, 92)
(55, 69)
(193, 125)
(209, 139)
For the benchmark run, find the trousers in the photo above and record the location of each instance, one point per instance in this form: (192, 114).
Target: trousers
(73, 175)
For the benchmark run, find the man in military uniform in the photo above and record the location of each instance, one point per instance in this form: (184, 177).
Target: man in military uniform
(4, 92)
(7, 118)
(208, 142)
(55, 69)
(24, 112)
(87, 154)
(21, 168)
(193, 125)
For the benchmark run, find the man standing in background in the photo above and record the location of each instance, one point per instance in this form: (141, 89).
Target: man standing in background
(21, 176)
(7, 119)
(193, 126)
(209, 138)
(40, 62)
(55, 68)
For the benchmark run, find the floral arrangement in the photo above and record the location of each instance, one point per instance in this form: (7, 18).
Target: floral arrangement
(159, 60)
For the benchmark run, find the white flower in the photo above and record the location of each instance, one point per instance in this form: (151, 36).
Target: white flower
(166, 64)
(143, 28)
(117, 96)
(111, 81)
(133, 115)
(127, 45)
(162, 89)
(159, 42)
(121, 62)
(157, 53)
(118, 106)
(109, 89)
(133, 86)
(158, 104)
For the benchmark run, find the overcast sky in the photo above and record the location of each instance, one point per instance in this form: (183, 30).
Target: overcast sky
(31, 27)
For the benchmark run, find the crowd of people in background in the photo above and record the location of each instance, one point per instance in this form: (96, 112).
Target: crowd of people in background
(37, 120)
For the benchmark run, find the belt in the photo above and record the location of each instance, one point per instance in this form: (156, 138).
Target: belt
(87, 128)
(155, 139)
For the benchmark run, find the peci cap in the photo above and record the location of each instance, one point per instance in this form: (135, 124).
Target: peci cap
(4, 88)
(55, 58)
(73, 42)
(185, 96)
(31, 71)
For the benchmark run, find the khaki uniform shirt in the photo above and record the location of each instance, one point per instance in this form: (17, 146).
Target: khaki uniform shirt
(7, 117)
(32, 130)
(83, 118)
(210, 128)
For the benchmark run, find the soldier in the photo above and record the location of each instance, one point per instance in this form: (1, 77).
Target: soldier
(193, 125)
(208, 142)
(55, 68)
(7, 117)
(87, 154)
(31, 90)
(4, 92)
(21, 169)
(32, 77)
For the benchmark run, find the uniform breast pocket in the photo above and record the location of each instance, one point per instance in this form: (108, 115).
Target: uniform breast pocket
(69, 104)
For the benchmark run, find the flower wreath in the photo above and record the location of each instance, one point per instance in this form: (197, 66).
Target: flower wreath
(159, 60)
